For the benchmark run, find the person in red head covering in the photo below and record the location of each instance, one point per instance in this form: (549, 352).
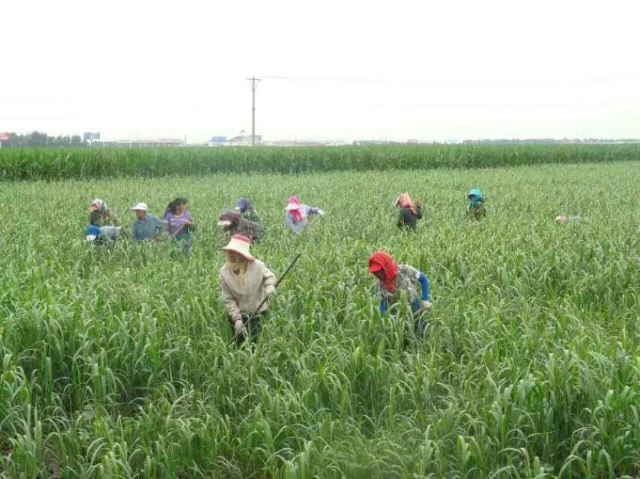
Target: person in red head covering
(395, 280)
(297, 214)
(410, 213)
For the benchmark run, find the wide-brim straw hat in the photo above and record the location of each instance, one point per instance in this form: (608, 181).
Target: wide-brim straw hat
(240, 244)
(140, 207)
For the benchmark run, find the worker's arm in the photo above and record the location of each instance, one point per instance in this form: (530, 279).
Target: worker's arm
(424, 282)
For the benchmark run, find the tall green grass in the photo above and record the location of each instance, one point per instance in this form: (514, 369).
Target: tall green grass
(116, 362)
(54, 163)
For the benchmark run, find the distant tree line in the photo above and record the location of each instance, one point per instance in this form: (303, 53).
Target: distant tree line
(42, 139)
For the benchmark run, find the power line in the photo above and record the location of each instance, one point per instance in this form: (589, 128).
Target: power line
(421, 81)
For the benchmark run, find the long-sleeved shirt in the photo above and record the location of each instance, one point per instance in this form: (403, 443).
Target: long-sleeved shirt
(408, 218)
(297, 226)
(243, 296)
(406, 282)
(176, 225)
(148, 229)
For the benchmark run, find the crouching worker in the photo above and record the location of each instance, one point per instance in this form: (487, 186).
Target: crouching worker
(100, 235)
(101, 215)
(396, 280)
(245, 282)
(476, 204)
(233, 222)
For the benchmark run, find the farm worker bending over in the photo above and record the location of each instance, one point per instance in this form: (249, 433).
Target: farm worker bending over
(248, 212)
(146, 226)
(234, 223)
(245, 208)
(397, 280)
(245, 282)
(101, 215)
(102, 234)
(179, 224)
(409, 213)
(476, 204)
(297, 215)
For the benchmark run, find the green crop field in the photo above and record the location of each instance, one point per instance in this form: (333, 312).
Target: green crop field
(115, 362)
(86, 163)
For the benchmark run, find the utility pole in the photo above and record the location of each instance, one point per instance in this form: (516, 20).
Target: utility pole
(254, 86)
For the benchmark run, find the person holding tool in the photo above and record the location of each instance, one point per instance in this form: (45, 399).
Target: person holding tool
(179, 224)
(246, 283)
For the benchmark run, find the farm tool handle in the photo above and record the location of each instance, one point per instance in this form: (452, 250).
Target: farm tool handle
(295, 260)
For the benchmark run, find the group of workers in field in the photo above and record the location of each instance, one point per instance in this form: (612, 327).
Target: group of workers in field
(245, 282)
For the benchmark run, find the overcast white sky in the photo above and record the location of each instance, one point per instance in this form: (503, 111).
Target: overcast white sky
(430, 70)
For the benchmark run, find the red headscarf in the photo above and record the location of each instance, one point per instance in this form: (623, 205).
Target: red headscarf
(404, 201)
(296, 213)
(383, 262)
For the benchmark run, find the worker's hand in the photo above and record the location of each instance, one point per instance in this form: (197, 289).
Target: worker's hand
(420, 201)
(425, 305)
(270, 291)
(321, 212)
(187, 223)
(238, 326)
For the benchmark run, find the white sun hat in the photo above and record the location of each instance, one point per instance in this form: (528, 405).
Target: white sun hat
(240, 244)
(140, 207)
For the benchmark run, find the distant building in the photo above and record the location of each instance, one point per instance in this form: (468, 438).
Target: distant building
(243, 140)
(161, 143)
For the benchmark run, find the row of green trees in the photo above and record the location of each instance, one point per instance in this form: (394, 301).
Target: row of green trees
(39, 139)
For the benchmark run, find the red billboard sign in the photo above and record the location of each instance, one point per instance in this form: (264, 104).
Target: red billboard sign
(4, 136)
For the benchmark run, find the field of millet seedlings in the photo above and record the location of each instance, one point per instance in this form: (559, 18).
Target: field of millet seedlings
(116, 362)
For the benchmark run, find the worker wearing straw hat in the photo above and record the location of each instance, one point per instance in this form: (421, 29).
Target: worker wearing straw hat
(146, 227)
(233, 222)
(297, 214)
(245, 282)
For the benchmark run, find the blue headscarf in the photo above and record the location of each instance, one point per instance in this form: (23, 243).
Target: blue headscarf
(243, 205)
(475, 196)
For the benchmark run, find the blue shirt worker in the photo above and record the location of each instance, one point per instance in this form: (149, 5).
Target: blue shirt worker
(146, 227)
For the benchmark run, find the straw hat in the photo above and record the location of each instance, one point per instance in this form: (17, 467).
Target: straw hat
(293, 203)
(240, 244)
(140, 207)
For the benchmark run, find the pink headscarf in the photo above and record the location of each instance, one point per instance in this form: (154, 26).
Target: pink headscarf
(295, 213)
